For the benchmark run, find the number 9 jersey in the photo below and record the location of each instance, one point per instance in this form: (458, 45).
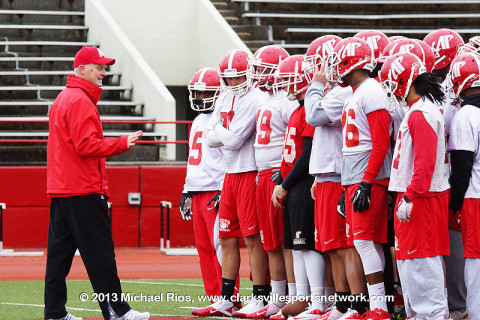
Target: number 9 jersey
(272, 120)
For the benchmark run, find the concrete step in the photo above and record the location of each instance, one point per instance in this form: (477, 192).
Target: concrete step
(42, 17)
(43, 32)
(44, 48)
(232, 20)
(220, 5)
(56, 77)
(40, 107)
(51, 92)
(72, 5)
(245, 35)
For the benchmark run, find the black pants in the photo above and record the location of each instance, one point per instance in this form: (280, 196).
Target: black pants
(299, 217)
(81, 222)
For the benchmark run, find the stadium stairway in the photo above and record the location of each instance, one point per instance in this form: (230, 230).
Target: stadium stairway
(38, 40)
(295, 23)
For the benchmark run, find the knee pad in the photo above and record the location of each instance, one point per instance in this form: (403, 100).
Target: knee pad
(372, 260)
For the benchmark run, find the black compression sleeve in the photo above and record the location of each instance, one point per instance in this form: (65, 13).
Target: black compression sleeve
(300, 168)
(462, 164)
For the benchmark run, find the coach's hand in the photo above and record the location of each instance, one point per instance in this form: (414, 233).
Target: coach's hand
(361, 198)
(186, 207)
(215, 200)
(341, 206)
(133, 138)
(404, 209)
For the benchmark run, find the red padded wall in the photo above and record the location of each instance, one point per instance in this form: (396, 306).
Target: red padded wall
(25, 221)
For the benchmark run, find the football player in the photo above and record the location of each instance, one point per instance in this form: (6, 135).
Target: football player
(366, 168)
(272, 121)
(324, 112)
(463, 146)
(295, 182)
(420, 176)
(445, 44)
(232, 127)
(203, 182)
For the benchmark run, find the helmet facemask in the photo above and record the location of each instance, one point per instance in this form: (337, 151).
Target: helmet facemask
(236, 90)
(202, 102)
(261, 74)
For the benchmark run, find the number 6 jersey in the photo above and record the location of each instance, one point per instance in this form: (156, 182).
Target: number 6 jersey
(357, 139)
(205, 169)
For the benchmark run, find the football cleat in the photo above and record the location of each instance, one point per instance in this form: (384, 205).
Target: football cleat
(333, 314)
(252, 307)
(278, 316)
(352, 315)
(458, 315)
(221, 308)
(68, 317)
(134, 315)
(310, 313)
(376, 314)
(267, 311)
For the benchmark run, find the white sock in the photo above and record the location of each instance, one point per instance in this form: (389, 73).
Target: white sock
(329, 292)
(279, 289)
(377, 290)
(292, 290)
(315, 266)
(318, 298)
(301, 279)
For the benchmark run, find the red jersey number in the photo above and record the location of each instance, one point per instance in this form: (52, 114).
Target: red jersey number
(396, 161)
(351, 134)
(263, 127)
(196, 145)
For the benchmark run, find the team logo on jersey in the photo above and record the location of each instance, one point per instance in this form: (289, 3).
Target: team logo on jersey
(348, 50)
(396, 68)
(443, 42)
(406, 48)
(373, 41)
(456, 68)
(224, 224)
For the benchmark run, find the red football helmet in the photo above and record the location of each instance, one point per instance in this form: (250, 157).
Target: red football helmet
(445, 44)
(424, 52)
(291, 77)
(375, 39)
(233, 65)
(318, 51)
(349, 54)
(394, 38)
(464, 73)
(204, 80)
(398, 73)
(466, 48)
(263, 65)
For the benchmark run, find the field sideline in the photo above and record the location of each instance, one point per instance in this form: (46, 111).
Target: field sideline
(173, 285)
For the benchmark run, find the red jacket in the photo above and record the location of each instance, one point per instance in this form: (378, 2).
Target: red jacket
(76, 149)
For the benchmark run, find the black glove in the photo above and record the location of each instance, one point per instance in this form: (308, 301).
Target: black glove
(186, 207)
(275, 174)
(215, 200)
(361, 198)
(341, 206)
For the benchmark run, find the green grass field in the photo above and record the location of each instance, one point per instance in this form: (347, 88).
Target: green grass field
(174, 298)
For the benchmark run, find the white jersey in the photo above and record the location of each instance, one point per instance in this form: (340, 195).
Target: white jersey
(272, 122)
(397, 114)
(237, 115)
(367, 98)
(205, 168)
(326, 156)
(357, 140)
(449, 107)
(465, 135)
(403, 163)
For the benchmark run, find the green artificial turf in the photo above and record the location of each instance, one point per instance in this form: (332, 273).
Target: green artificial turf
(162, 298)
